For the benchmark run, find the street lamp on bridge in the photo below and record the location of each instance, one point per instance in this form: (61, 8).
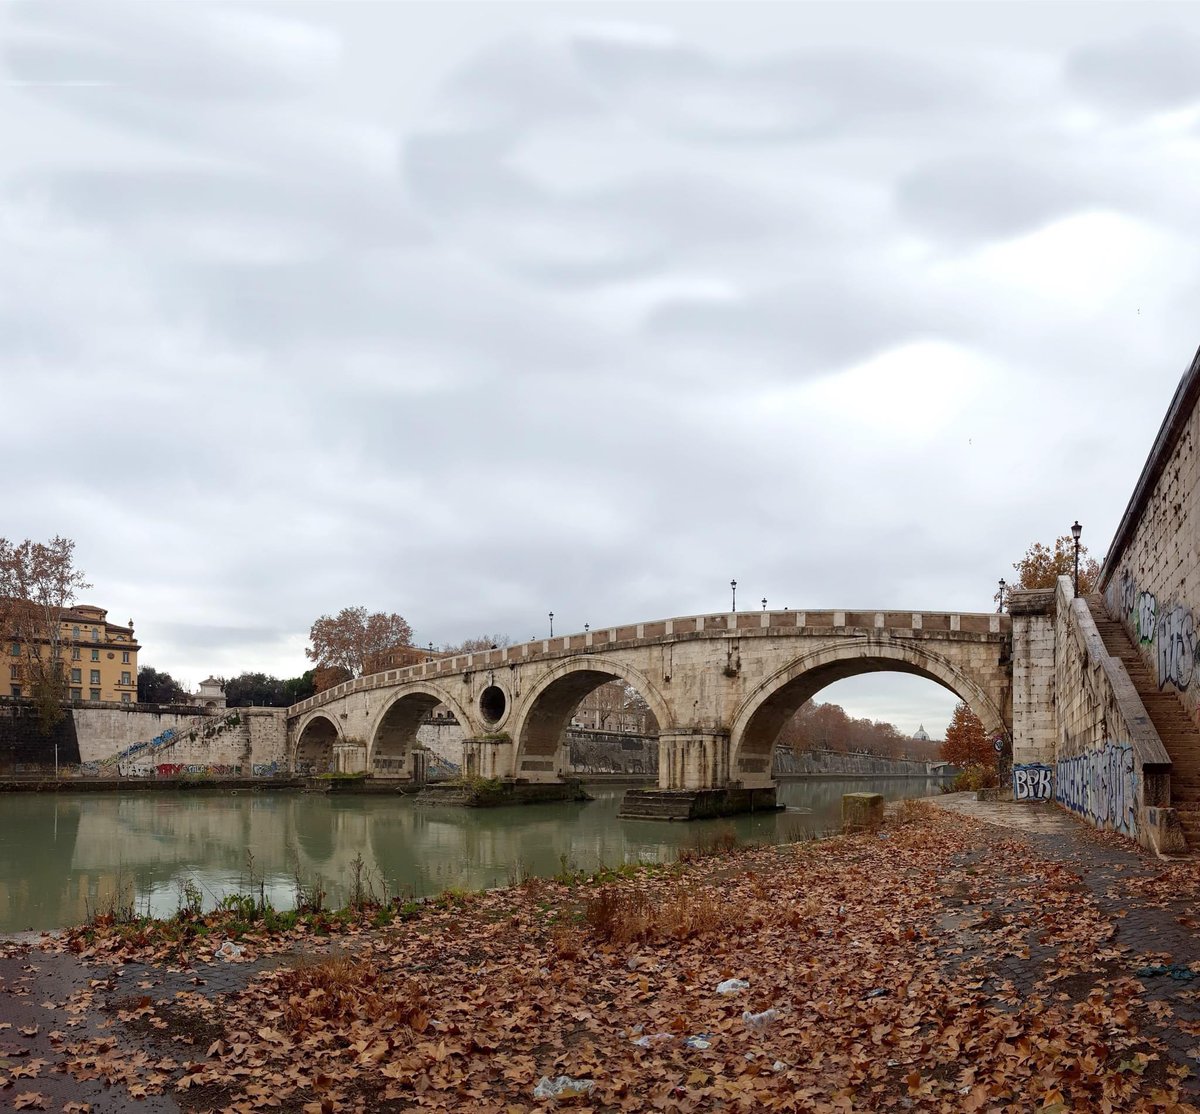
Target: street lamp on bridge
(733, 589)
(1076, 530)
(764, 603)
(1000, 596)
(551, 624)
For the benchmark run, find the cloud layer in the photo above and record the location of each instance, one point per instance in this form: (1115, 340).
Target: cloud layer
(613, 316)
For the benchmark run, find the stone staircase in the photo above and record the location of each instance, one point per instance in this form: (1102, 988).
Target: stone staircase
(1171, 720)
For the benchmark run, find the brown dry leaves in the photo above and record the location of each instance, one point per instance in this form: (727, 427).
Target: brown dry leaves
(879, 955)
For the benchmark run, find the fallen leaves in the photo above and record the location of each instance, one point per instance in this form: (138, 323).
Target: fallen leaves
(938, 970)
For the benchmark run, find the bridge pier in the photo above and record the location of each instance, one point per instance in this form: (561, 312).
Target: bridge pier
(694, 781)
(693, 759)
(349, 756)
(490, 756)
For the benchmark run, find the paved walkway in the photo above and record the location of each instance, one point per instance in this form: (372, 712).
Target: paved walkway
(1149, 906)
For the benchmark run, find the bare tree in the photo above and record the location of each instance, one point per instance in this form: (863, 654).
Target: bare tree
(38, 583)
(481, 642)
(356, 641)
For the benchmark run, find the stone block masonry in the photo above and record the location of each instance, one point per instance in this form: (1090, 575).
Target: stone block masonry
(134, 740)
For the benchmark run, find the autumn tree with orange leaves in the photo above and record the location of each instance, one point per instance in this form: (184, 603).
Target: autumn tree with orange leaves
(356, 641)
(966, 742)
(1041, 568)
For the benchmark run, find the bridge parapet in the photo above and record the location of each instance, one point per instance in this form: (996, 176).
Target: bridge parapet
(983, 626)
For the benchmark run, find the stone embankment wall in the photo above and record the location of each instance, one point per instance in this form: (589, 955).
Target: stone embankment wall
(244, 742)
(829, 763)
(1111, 768)
(24, 748)
(1151, 576)
(611, 752)
(135, 740)
(445, 738)
(1081, 732)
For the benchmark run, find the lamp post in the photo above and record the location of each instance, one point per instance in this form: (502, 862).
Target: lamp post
(551, 624)
(733, 589)
(764, 603)
(1076, 530)
(1000, 595)
(587, 627)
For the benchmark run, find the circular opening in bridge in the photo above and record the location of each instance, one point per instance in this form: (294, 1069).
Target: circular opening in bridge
(492, 703)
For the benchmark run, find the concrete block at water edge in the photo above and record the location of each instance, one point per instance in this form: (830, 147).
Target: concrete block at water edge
(861, 812)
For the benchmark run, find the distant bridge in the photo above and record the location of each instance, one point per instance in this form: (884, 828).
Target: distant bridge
(721, 686)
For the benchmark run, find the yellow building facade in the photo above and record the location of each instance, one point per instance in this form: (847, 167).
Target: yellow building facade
(99, 658)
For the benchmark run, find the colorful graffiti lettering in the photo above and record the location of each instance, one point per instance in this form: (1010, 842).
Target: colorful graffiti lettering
(267, 769)
(1032, 782)
(1176, 647)
(1101, 786)
(1145, 617)
(180, 769)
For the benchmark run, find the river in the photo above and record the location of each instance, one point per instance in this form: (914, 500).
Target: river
(64, 855)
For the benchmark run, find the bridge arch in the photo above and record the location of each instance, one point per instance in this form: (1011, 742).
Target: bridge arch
(315, 739)
(546, 708)
(762, 714)
(394, 730)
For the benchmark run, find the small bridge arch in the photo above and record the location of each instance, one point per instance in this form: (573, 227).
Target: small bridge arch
(316, 736)
(764, 712)
(537, 731)
(394, 731)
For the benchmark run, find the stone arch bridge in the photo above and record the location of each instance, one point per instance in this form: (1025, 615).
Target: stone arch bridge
(721, 687)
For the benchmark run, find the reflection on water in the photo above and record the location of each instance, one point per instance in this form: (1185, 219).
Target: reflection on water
(63, 855)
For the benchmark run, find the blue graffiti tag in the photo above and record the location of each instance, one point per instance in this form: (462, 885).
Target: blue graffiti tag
(1101, 786)
(1032, 782)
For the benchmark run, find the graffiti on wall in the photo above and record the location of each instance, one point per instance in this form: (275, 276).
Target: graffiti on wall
(1171, 631)
(194, 769)
(1032, 781)
(268, 769)
(1145, 617)
(1176, 647)
(1101, 786)
(1122, 597)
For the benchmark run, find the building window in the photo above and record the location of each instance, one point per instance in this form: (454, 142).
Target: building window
(94, 694)
(77, 694)
(125, 698)
(95, 634)
(75, 632)
(95, 655)
(74, 653)
(14, 672)
(75, 676)
(95, 678)
(15, 651)
(16, 690)
(125, 678)
(124, 657)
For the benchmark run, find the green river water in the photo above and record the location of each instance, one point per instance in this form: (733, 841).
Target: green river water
(63, 855)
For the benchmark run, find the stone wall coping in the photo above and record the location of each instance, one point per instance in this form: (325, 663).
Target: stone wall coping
(1179, 413)
(923, 625)
(1144, 739)
(1031, 601)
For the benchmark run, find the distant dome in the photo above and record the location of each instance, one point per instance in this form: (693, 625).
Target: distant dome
(921, 734)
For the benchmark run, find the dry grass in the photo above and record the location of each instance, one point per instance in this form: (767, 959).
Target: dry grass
(339, 989)
(908, 812)
(623, 915)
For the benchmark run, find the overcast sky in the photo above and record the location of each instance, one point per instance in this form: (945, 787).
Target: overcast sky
(475, 312)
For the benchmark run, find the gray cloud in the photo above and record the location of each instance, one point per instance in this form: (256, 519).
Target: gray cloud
(1156, 68)
(592, 321)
